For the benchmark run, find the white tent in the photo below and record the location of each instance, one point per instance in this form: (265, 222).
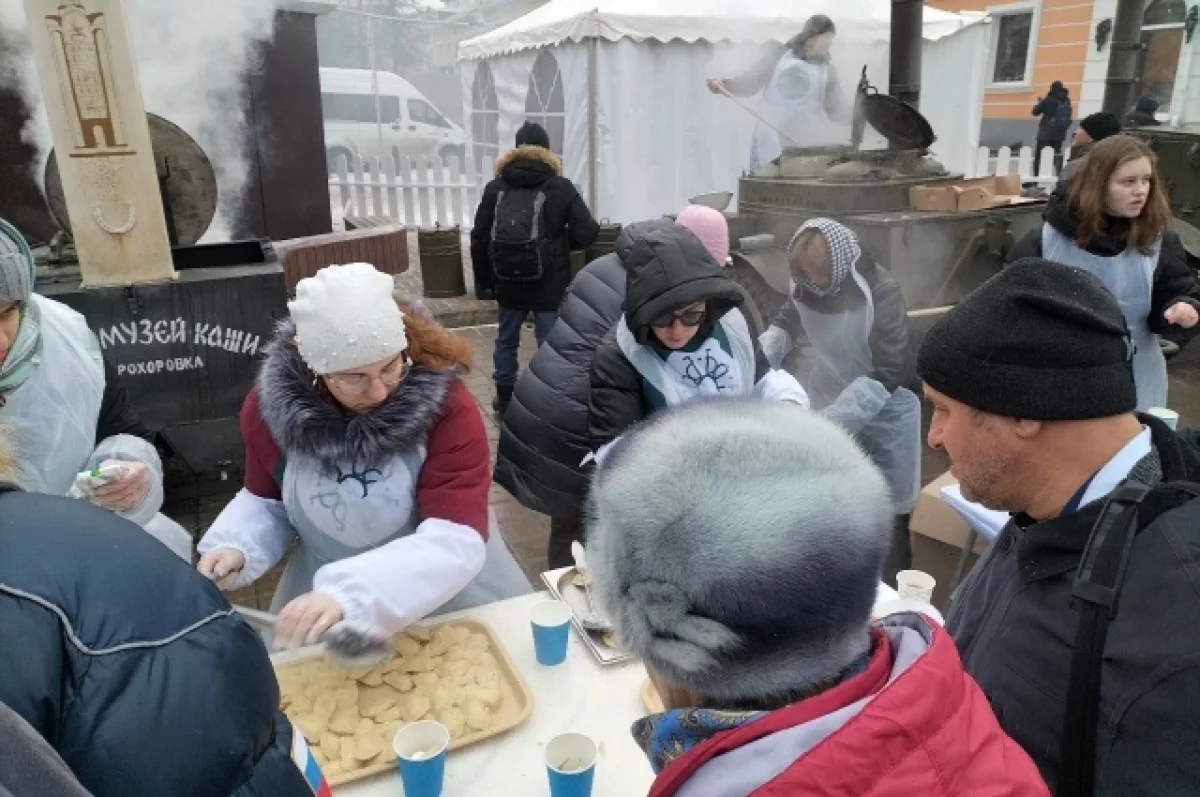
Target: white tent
(620, 84)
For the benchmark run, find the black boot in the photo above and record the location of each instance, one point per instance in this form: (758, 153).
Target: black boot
(500, 402)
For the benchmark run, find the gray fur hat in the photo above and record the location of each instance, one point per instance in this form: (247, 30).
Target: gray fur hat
(736, 546)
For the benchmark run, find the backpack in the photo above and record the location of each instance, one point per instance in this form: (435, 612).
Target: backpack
(1062, 118)
(518, 240)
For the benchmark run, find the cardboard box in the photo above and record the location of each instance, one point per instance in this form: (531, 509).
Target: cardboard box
(963, 196)
(938, 536)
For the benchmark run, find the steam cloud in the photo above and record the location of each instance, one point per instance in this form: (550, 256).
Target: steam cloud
(192, 59)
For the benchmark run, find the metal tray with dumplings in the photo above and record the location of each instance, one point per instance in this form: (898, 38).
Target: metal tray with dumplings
(305, 669)
(561, 584)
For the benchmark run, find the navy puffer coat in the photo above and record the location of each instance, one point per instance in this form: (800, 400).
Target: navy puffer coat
(544, 435)
(130, 664)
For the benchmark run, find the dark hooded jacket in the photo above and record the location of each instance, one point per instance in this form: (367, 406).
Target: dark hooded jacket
(1014, 624)
(544, 434)
(569, 225)
(130, 663)
(1142, 114)
(1173, 278)
(667, 269)
(1055, 110)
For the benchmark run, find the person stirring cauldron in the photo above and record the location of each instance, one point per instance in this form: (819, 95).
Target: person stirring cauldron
(800, 94)
(681, 336)
(852, 312)
(363, 445)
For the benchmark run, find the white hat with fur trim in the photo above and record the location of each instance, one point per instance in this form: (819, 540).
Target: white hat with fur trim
(736, 546)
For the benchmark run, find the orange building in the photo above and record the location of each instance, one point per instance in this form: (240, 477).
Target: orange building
(1035, 42)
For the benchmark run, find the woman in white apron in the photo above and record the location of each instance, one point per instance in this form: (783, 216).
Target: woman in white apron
(64, 409)
(853, 314)
(800, 94)
(1114, 222)
(681, 337)
(364, 448)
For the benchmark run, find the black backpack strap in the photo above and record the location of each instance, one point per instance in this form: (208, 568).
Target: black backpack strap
(1096, 592)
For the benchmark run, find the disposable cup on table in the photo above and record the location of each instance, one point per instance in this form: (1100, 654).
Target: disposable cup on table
(1169, 417)
(571, 765)
(551, 621)
(915, 585)
(421, 756)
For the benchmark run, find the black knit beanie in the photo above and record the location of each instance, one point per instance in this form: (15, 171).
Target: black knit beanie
(534, 135)
(1101, 125)
(1039, 341)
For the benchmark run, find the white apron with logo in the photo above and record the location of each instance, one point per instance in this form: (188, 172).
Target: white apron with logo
(1129, 277)
(794, 102)
(341, 515)
(707, 371)
(892, 437)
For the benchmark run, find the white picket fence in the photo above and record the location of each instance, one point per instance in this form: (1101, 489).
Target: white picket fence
(414, 192)
(1003, 163)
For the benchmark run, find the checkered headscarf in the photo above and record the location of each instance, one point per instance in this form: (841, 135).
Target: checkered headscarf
(844, 252)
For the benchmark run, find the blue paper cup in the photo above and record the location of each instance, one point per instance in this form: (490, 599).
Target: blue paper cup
(571, 765)
(551, 622)
(421, 756)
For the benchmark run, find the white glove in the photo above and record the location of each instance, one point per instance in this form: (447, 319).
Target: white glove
(858, 404)
(116, 485)
(222, 565)
(775, 343)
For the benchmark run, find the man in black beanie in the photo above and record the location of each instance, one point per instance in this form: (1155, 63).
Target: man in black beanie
(527, 223)
(1031, 382)
(1095, 127)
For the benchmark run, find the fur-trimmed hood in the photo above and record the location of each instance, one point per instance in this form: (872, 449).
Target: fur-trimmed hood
(527, 166)
(736, 547)
(307, 424)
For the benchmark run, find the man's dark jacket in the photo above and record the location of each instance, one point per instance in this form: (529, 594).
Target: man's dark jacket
(1014, 626)
(131, 664)
(569, 225)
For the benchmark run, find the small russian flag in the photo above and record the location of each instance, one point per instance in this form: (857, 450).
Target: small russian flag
(308, 766)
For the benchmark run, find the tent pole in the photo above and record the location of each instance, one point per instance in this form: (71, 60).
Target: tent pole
(593, 125)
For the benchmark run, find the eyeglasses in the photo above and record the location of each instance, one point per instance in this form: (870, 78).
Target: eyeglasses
(687, 318)
(392, 374)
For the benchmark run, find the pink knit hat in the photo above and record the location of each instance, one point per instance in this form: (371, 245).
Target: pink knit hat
(710, 227)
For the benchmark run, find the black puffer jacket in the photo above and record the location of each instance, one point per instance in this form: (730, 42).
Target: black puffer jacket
(1173, 278)
(130, 664)
(891, 352)
(1055, 110)
(544, 435)
(569, 225)
(669, 268)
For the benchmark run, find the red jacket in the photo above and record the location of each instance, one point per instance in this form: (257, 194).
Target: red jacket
(924, 730)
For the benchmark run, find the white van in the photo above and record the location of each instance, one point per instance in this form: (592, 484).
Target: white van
(411, 124)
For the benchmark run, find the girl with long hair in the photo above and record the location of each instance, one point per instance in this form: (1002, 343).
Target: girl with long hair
(363, 446)
(1115, 223)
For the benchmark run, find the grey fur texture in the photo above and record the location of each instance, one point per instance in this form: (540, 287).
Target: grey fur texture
(736, 545)
(304, 423)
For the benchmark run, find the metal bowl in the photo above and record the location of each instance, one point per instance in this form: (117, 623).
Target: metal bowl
(717, 201)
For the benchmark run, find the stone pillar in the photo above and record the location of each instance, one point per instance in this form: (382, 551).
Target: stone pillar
(93, 98)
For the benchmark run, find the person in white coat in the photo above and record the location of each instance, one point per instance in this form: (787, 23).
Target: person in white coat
(66, 413)
(364, 448)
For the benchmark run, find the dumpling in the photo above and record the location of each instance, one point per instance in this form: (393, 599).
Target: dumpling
(346, 696)
(477, 641)
(400, 681)
(419, 632)
(345, 721)
(414, 706)
(374, 676)
(425, 680)
(390, 715)
(405, 645)
(331, 746)
(479, 716)
(490, 695)
(364, 726)
(386, 756)
(459, 634)
(349, 748)
(377, 705)
(312, 726)
(454, 720)
(324, 706)
(367, 746)
(440, 698)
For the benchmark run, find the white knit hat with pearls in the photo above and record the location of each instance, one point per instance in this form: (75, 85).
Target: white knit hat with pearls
(346, 318)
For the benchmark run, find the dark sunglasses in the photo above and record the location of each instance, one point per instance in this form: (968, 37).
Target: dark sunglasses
(688, 318)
